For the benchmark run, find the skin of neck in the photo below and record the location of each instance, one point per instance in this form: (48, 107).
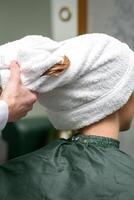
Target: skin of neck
(107, 127)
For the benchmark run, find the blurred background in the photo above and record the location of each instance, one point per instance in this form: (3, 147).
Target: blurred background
(58, 19)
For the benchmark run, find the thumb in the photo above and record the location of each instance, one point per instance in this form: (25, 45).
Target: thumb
(15, 71)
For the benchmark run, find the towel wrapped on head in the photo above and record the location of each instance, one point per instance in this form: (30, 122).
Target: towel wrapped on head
(80, 80)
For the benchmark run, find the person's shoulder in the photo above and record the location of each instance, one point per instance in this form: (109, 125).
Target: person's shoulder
(43, 153)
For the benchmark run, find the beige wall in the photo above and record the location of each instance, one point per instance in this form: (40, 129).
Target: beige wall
(62, 30)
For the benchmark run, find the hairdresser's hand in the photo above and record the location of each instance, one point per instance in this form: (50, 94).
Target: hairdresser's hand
(19, 99)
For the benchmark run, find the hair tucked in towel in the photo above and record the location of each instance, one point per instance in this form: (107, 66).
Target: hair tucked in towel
(58, 68)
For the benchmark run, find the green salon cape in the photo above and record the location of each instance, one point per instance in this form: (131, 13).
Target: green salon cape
(80, 168)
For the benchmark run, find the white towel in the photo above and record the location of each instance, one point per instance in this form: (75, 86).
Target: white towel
(98, 81)
(33, 54)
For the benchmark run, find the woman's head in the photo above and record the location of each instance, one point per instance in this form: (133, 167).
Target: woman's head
(98, 82)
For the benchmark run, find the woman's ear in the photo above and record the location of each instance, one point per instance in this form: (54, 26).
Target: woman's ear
(58, 68)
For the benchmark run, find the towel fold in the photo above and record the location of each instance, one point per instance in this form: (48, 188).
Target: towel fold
(34, 55)
(98, 81)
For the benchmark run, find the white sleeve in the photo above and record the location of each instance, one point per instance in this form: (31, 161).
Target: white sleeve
(3, 114)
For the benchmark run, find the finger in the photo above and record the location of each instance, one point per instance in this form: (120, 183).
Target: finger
(15, 71)
(35, 93)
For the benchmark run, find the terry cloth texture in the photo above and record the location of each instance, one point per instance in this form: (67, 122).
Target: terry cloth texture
(81, 168)
(99, 80)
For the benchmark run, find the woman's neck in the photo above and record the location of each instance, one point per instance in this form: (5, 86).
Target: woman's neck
(108, 127)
